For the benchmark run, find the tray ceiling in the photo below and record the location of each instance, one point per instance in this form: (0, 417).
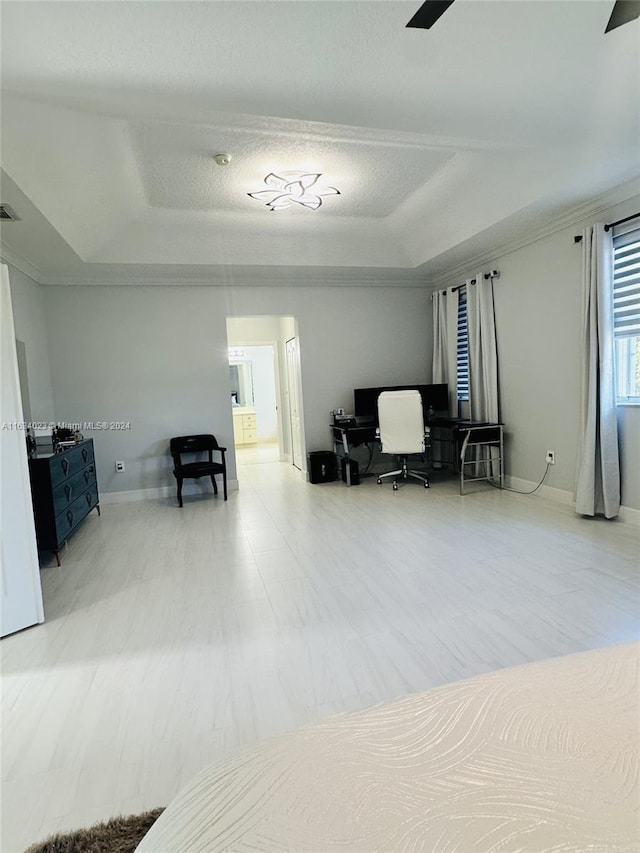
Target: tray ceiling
(112, 113)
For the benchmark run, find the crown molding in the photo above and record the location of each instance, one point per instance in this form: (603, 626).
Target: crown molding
(304, 276)
(245, 276)
(9, 256)
(570, 217)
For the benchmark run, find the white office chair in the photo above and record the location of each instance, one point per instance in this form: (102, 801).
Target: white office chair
(402, 431)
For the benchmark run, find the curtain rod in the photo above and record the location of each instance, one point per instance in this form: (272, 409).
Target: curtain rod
(493, 274)
(611, 225)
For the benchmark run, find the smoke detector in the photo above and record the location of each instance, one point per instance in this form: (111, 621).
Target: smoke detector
(222, 159)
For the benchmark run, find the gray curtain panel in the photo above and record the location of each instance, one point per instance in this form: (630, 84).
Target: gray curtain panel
(598, 481)
(445, 342)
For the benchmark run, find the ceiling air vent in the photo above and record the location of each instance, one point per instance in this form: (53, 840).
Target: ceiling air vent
(7, 214)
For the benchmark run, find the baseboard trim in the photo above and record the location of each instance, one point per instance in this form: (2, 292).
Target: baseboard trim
(155, 493)
(627, 514)
(549, 493)
(630, 515)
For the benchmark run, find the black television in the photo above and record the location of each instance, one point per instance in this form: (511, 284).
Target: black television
(365, 400)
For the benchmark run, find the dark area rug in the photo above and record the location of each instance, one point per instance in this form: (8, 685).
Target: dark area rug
(118, 835)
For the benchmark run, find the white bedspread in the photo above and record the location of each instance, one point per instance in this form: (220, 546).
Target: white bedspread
(542, 757)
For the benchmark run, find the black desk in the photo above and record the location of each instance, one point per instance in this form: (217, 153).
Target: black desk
(453, 435)
(346, 437)
(482, 439)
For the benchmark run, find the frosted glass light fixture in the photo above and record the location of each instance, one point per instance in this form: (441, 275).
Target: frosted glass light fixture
(290, 188)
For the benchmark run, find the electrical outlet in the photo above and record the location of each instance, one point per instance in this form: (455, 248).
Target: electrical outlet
(119, 467)
(551, 457)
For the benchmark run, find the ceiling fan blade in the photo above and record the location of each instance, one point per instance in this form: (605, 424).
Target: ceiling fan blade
(429, 12)
(623, 12)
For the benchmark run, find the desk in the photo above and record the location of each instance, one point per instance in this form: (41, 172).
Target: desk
(346, 437)
(461, 437)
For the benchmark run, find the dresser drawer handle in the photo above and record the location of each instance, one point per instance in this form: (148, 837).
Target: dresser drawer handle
(88, 497)
(68, 490)
(87, 474)
(65, 465)
(85, 453)
(70, 517)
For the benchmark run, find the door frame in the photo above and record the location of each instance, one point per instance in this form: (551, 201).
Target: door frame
(21, 588)
(297, 384)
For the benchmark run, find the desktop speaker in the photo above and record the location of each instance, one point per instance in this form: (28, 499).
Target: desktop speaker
(355, 471)
(321, 465)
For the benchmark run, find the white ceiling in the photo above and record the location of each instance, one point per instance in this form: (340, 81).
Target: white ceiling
(502, 114)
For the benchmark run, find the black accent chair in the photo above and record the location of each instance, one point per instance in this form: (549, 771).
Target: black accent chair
(194, 470)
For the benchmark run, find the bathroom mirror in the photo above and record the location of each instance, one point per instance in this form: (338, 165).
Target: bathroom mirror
(241, 376)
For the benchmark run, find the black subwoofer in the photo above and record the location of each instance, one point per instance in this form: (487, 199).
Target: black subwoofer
(355, 471)
(321, 465)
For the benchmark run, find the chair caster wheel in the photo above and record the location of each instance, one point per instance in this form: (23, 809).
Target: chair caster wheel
(426, 485)
(379, 481)
(395, 487)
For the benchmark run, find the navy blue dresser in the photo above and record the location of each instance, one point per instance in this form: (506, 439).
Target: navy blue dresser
(64, 491)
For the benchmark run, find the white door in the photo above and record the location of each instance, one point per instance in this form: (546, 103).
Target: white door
(293, 392)
(21, 591)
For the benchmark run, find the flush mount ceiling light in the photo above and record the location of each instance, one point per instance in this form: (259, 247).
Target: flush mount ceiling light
(290, 188)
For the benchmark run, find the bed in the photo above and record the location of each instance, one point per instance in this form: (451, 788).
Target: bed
(540, 757)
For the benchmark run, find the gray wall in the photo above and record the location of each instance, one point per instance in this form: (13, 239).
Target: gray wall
(157, 357)
(30, 327)
(538, 301)
(538, 321)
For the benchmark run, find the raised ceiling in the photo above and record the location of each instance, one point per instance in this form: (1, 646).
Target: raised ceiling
(503, 113)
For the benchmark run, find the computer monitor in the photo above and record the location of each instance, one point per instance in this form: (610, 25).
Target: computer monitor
(365, 400)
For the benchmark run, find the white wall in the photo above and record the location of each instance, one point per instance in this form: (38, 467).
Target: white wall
(629, 431)
(538, 303)
(30, 328)
(157, 357)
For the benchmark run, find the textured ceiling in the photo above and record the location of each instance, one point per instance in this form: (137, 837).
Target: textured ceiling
(112, 112)
(178, 170)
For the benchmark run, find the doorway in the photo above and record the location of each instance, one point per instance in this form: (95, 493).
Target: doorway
(254, 403)
(263, 390)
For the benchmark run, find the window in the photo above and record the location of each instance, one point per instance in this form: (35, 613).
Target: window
(462, 353)
(626, 315)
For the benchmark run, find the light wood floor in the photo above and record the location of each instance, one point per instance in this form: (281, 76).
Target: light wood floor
(173, 637)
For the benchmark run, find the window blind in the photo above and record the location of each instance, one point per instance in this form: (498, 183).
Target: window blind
(626, 284)
(462, 353)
